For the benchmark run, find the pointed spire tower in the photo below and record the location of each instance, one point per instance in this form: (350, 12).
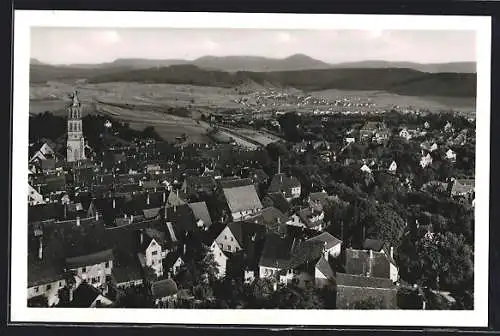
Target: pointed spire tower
(75, 144)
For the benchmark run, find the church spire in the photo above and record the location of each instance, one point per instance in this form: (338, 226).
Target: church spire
(76, 101)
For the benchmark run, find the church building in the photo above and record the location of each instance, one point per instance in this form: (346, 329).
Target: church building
(76, 143)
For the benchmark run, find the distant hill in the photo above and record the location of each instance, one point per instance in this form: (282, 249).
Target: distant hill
(394, 80)
(458, 67)
(259, 64)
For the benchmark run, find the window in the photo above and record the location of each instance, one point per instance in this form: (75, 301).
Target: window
(231, 238)
(61, 284)
(154, 253)
(107, 264)
(220, 255)
(37, 289)
(49, 286)
(225, 237)
(84, 269)
(229, 247)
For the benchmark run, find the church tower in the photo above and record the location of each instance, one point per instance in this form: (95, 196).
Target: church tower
(76, 143)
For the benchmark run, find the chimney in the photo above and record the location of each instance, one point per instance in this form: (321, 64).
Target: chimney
(147, 200)
(70, 293)
(77, 220)
(114, 203)
(141, 237)
(125, 215)
(131, 218)
(164, 197)
(184, 249)
(279, 164)
(101, 179)
(65, 210)
(40, 249)
(177, 192)
(96, 216)
(370, 263)
(175, 208)
(392, 252)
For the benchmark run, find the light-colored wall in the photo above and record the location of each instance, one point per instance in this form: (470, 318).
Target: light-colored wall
(335, 250)
(240, 215)
(393, 272)
(51, 294)
(95, 271)
(154, 257)
(129, 283)
(220, 258)
(267, 272)
(227, 242)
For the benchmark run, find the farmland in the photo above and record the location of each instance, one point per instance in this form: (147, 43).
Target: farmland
(175, 109)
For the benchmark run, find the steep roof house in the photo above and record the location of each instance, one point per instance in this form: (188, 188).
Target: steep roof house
(242, 201)
(164, 291)
(289, 186)
(200, 212)
(277, 200)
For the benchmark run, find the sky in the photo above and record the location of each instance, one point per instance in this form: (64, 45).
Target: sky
(63, 45)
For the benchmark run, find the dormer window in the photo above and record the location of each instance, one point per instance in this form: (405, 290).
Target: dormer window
(84, 269)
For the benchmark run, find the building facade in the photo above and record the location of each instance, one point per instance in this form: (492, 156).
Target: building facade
(75, 145)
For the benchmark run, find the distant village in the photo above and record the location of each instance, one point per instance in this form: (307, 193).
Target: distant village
(376, 214)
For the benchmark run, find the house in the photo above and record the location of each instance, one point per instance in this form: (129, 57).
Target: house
(448, 127)
(271, 218)
(199, 184)
(87, 296)
(365, 169)
(234, 182)
(351, 289)
(41, 151)
(220, 258)
(289, 186)
(332, 245)
(128, 275)
(200, 212)
(451, 155)
(461, 187)
(176, 199)
(376, 131)
(405, 134)
(164, 291)
(312, 218)
(426, 160)
(238, 236)
(350, 140)
(427, 125)
(276, 200)
(95, 268)
(427, 147)
(34, 197)
(242, 201)
(323, 273)
(392, 167)
(153, 243)
(258, 176)
(173, 263)
(371, 263)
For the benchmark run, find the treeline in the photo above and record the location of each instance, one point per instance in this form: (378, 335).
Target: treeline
(399, 81)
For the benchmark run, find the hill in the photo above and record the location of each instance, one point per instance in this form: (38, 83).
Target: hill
(259, 64)
(458, 67)
(394, 80)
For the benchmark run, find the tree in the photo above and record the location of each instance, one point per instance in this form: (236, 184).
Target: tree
(293, 297)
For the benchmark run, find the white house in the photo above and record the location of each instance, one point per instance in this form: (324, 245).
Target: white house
(451, 155)
(93, 268)
(220, 258)
(153, 253)
(350, 140)
(426, 160)
(448, 127)
(393, 167)
(34, 197)
(42, 153)
(242, 201)
(366, 169)
(227, 241)
(332, 245)
(405, 134)
(50, 290)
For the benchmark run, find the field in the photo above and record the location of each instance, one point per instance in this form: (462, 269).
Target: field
(151, 104)
(384, 99)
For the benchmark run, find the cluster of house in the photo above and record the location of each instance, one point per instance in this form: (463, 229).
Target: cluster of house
(96, 230)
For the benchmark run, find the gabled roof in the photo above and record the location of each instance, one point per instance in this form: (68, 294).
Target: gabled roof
(358, 262)
(279, 201)
(182, 219)
(246, 232)
(129, 272)
(84, 296)
(462, 186)
(226, 183)
(271, 218)
(170, 259)
(373, 126)
(327, 238)
(283, 183)
(258, 175)
(306, 215)
(276, 252)
(242, 198)
(90, 259)
(324, 267)
(42, 212)
(176, 198)
(200, 212)
(163, 288)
